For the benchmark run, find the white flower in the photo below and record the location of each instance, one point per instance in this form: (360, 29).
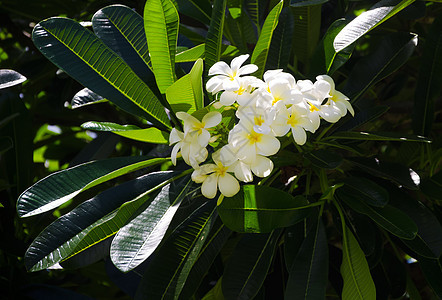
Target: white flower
(192, 153)
(243, 95)
(227, 77)
(247, 143)
(337, 99)
(280, 86)
(216, 176)
(194, 127)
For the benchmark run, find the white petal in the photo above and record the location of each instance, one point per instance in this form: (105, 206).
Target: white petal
(220, 68)
(323, 88)
(237, 62)
(175, 136)
(243, 172)
(203, 138)
(231, 85)
(209, 186)
(227, 156)
(299, 135)
(246, 152)
(212, 119)
(329, 114)
(200, 174)
(262, 167)
(247, 69)
(228, 185)
(215, 84)
(185, 117)
(228, 98)
(328, 79)
(174, 153)
(268, 145)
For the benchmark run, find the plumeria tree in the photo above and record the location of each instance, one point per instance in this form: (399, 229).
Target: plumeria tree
(267, 160)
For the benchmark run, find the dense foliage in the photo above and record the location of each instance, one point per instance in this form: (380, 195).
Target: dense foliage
(332, 188)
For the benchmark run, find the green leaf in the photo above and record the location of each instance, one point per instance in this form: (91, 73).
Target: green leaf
(215, 33)
(217, 238)
(166, 273)
(261, 209)
(378, 136)
(432, 187)
(248, 265)
(200, 10)
(88, 60)
(186, 94)
(307, 30)
(325, 59)
(281, 44)
(86, 97)
(161, 23)
(59, 187)
(325, 159)
(368, 20)
(191, 54)
(293, 239)
(392, 52)
(358, 283)
(432, 269)
(261, 51)
(393, 171)
(253, 8)
(388, 217)
(362, 117)
(108, 126)
(122, 30)
(137, 240)
(10, 78)
(309, 272)
(59, 239)
(429, 80)
(366, 190)
(5, 144)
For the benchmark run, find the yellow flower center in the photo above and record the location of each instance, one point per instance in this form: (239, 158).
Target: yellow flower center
(292, 121)
(221, 170)
(254, 137)
(232, 77)
(259, 120)
(275, 99)
(199, 127)
(313, 108)
(240, 91)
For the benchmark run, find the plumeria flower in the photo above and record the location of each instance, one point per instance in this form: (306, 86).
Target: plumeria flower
(194, 127)
(261, 167)
(188, 147)
(294, 119)
(216, 176)
(243, 95)
(259, 115)
(227, 77)
(247, 143)
(280, 86)
(337, 98)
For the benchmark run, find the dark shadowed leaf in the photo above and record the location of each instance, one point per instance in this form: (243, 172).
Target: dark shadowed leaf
(366, 190)
(324, 159)
(215, 33)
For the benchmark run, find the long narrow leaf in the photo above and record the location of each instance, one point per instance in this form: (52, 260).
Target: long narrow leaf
(86, 97)
(136, 241)
(161, 22)
(88, 60)
(61, 186)
(358, 283)
(261, 51)
(200, 10)
(215, 33)
(60, 238)
(376, 15)
(10, 78)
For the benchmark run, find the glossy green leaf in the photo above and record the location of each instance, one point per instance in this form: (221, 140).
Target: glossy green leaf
(261, 209)
(307, 30)
(63, 185)
(108, 126)
(261, 51)
(358, 283)
(191, 54)
(325, 59)
(368, 20)
(59, 239)
(428, 241)
(161, 22)
(200, 10)
(324, 159)
(186, 94)
(10, 78)
(366, 190)
(378, 136)
(392, 52)
(293, 239)
(217, 238)
(86, 97)
(432, 186)
(429, 80)
(88, 60)
(309, 272)
(388, 217)
(137, 240)
(281, 44)
(248, 265)
(432, 269)
(122, 30)
(216, 293)
(215, 33)
(165, 275)
(393, 171)
(362, 117)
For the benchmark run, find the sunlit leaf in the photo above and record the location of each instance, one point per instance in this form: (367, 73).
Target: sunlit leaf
(86, 97)
(378, 136)
(10, 78)
(215, 33)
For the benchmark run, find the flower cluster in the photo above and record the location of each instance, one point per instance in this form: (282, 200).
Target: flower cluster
(265, 109)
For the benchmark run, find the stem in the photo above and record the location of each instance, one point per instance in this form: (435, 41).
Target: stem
(326, 129)
(307, 183)
(323, 180)
(341, 215)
